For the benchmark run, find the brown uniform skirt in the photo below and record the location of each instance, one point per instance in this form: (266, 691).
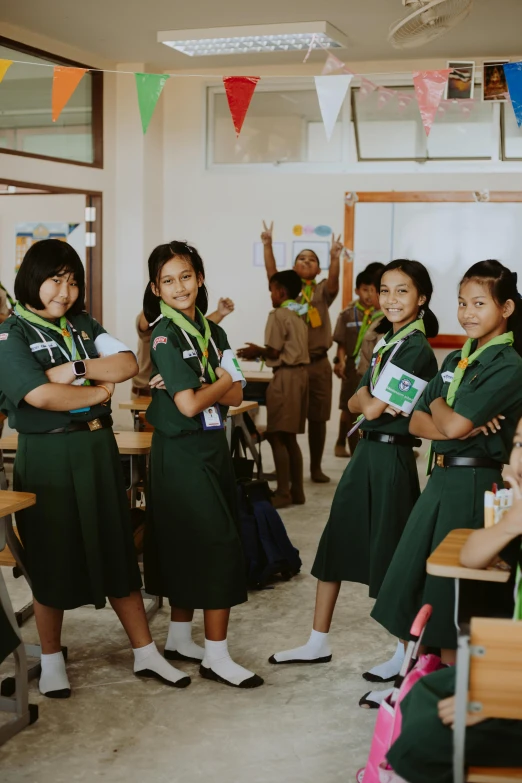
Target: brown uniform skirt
(320, 394)
(287, 399)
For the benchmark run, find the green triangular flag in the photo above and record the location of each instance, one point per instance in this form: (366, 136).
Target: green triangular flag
(149, 86)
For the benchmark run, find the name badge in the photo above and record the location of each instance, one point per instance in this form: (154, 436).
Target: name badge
(351, 324)
(43, 346)
(211, 418)
(447, 377)
(190, 354)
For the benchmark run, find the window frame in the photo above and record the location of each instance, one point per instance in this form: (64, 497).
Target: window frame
(426, 159)
(273, 85)
(97, 105)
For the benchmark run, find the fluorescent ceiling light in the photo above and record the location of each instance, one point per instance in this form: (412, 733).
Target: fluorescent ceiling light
(255, 38)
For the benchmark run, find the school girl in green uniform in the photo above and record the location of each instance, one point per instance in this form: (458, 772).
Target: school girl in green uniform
(193, 550)
(58, 368)
(423, 753)
(473, 387)
(380, 485)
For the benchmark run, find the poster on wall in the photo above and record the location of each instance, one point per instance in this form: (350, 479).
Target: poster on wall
(460, 81)
(494, 86)
(279, 249)
(29, 233)
(321, 249)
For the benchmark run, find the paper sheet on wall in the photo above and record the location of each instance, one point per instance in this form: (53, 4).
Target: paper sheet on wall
(279, 249)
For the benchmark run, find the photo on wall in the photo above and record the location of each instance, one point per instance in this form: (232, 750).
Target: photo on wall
(461, 81)
(494, 84)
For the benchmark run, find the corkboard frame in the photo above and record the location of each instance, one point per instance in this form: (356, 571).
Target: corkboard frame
(395, 197)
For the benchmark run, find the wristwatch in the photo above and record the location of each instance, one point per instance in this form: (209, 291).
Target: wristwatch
(79, 369)
(336, 360)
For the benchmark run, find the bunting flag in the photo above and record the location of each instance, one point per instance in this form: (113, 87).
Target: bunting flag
(331, 92)
(4, 67)
(332, 64)
(65, 81)
(239, 90)
(429, 89)
(149, 87)
(513, 73)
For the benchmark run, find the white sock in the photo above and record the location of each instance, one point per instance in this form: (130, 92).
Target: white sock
(317, 646)
(378, 696)
(179, 640)
(149, 663)
(217, 658)
(53, 676)
(392, 667)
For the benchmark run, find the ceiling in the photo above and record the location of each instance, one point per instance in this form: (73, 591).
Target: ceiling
(125, 30)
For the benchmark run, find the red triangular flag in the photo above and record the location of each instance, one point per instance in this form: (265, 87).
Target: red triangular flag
(65, 81)
(429, 89)
(239, 90)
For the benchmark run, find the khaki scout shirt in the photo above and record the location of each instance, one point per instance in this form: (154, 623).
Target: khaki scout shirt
(370, 340)
(320, 337)
(141, 380)
(286, 332)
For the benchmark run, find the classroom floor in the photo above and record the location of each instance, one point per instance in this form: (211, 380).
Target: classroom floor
(303, 725)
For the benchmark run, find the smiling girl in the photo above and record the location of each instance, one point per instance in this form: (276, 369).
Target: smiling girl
(469, 411)
(193, 550)
(380, 485)
(58, 369)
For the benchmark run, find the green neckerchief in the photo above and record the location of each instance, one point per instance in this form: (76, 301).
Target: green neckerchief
(189, 327)
(307, 293)
(414, 326)
(466, 360)
(517, 615)
(63, 329)
(370, 314)
(291, 304)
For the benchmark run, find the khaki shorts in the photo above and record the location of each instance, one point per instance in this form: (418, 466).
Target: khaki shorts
(348, 388)
(320, 390)
(287, 400)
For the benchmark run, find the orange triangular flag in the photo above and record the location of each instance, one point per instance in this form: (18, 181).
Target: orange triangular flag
(4, 66)
(65, 81)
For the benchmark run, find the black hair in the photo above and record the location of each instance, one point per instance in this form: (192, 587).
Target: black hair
(45, 259)
(421, 280)
(157, 260)
(290, 281)
(368, 276)
(308, 250)
(502, 284)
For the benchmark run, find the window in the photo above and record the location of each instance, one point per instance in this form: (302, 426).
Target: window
(26, 125)
(281, 126)
(395, 132)
(511, 135)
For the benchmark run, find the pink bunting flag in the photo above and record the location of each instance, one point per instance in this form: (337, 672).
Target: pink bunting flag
(239, 90)
(429, 89)
(332, 64)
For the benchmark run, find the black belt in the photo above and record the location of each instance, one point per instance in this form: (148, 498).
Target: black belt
(78, 426)
(442, 461)
(290, 366)
(393, 440)
(317, 358)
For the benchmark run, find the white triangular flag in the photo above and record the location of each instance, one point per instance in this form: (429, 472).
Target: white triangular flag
(331, 92)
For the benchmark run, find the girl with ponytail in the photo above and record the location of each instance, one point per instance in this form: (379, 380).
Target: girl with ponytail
(380, 486)
(192, 548)
(469, 411)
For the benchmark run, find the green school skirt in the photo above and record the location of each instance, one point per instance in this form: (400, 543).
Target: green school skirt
(371, 506)
(192, 549)
(9, 641)
(424, 751)
(78, 537)
(453, 498)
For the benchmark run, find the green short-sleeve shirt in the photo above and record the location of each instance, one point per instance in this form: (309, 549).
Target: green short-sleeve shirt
(178, 362)
(414, 356)
(492, 384)
(24, 359)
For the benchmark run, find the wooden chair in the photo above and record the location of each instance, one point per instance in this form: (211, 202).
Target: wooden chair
(489, 683)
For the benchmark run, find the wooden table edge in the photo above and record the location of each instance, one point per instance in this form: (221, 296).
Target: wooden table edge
(23, 500)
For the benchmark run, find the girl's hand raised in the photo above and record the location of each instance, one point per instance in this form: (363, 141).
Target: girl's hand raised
(266, 236)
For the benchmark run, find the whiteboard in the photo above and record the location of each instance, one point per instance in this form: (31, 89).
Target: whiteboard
(446, 237)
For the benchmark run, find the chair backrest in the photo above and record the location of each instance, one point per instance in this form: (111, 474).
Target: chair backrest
(495, 675)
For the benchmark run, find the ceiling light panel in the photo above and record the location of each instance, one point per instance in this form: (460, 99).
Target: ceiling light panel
(254, 39)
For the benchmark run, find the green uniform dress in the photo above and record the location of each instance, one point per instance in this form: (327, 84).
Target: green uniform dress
(423, 753)
(377, 491)
(77, 539)
(454, 497)
(192, 550)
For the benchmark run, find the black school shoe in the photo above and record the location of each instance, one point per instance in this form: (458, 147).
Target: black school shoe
(174, 655)
(252, 682)
(63, 693)
(324, 659)
(152, 675)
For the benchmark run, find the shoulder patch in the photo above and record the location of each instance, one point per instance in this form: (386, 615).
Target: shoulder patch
(158, 341)
(4, 336)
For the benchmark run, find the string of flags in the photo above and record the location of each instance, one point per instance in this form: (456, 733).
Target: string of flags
(331, 86)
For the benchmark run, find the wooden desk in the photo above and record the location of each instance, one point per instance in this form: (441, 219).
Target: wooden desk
(140, 404)
(11, 502)
(133, 443)
(258, 376)
(445, 561)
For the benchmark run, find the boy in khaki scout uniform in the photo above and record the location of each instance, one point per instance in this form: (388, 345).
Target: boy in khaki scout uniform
(351, 327)
(317, 297)
(286, 350)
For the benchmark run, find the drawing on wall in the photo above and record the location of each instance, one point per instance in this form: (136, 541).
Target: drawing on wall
(321, 249)
(29, 233)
